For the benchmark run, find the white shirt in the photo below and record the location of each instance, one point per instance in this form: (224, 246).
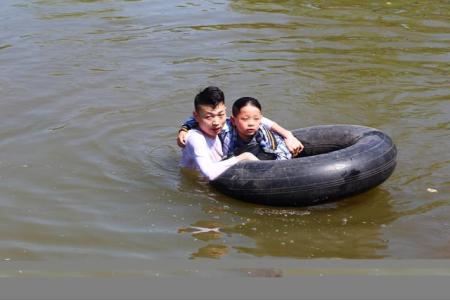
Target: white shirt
(204, 154)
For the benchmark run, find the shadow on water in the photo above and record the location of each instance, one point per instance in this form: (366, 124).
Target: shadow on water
(350, 228)
(364, 226)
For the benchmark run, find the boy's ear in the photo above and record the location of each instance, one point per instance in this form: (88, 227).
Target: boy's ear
(195, 115)
(232, 120)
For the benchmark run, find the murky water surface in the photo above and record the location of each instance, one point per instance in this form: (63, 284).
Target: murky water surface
(92, 93)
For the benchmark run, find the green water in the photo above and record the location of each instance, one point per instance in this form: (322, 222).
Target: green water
(93, 92)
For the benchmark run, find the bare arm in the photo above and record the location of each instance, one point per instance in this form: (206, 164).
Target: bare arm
(293, 144)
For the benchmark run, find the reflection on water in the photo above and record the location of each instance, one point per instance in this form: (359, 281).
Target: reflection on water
(93, 92)
(211, 251)
(353, 226)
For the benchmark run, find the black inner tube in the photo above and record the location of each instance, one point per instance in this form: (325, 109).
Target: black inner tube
(337, 161)
(322, 147)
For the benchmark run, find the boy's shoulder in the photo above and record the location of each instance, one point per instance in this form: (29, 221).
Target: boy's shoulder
(194, 139)
(194, 134)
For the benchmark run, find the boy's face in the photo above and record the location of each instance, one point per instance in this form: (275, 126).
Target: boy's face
(211, 119)
(247, 121)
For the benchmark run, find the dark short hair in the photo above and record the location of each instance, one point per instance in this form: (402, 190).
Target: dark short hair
(244, 101)
(211, 96)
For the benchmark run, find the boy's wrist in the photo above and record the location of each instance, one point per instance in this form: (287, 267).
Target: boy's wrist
(288, 134)
(183, 129)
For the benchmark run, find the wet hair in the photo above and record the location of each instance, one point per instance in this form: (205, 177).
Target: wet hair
(211, 96)
(244, 101)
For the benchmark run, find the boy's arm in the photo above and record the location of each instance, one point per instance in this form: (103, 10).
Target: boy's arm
(185, 127)
(211, 169)
(293, 144)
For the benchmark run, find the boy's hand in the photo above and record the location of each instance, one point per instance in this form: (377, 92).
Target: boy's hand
(181, 139)
(246, 156)
(293, 144)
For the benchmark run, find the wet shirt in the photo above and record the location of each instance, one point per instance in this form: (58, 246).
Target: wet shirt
(204, 154)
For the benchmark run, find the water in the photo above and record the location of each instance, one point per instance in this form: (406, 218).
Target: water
(92, 94)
